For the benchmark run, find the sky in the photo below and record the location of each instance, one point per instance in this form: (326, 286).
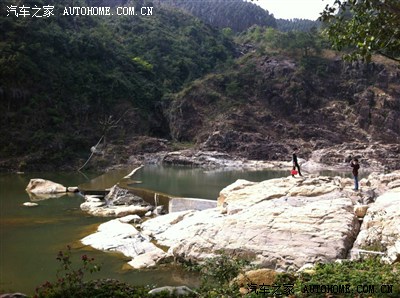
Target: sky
(290, 9)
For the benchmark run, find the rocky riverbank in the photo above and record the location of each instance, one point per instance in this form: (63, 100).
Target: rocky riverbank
(374, 157)
(281, 224)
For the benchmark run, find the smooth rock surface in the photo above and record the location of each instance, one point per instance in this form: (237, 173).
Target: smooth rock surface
(130, 218)
(148, 259)
(243, 194)
(279, 234)
(42, 186)
(122, 237)
(182, 204)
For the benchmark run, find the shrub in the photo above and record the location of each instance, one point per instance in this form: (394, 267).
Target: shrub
(369, 273)
(69, 280)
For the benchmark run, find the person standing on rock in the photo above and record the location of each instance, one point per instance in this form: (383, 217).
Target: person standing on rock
(356, 166)
(295, 162)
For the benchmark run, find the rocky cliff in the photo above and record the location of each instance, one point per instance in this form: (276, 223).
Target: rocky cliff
(266, 105)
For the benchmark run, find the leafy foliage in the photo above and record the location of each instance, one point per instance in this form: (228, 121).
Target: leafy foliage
(71, 283)
(296, 25)
(369, 271)
(292, 42)
(217, 274)
(69, 280)
(364, 27)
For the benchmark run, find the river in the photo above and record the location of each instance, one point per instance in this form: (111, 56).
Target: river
(31, 237)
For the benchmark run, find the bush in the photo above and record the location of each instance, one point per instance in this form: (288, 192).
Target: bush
(69, 280)
(365, 274)
(217, 274)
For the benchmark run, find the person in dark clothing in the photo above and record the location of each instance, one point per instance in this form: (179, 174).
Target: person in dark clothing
(295, 162)
(356, 166)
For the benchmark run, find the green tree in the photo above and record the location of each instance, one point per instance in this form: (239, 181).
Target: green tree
(367, 27)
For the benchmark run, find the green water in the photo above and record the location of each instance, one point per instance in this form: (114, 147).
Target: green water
(30, 237)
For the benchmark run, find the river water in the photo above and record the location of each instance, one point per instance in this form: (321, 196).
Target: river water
(31, 237)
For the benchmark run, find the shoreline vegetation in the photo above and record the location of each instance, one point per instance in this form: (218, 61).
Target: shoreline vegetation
(223, 276)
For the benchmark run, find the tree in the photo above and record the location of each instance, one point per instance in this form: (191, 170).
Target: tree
(366, 26)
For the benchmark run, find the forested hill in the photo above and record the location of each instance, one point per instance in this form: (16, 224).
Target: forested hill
(235, 14)
(64, 80)
(296, 25)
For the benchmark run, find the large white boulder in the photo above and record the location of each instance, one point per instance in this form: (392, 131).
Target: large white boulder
(282, 223)
(42, 186)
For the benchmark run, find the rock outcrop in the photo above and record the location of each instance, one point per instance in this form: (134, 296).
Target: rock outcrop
(380, 229)
(283, 106)
(282, 233)
(374, 157)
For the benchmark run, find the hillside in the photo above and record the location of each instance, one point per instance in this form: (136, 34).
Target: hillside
(235, 14)
(66, 80)
(270, 101)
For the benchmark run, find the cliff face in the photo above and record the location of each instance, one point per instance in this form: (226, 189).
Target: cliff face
(266, 105)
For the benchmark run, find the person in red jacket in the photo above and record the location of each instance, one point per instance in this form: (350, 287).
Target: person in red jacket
(356, 166)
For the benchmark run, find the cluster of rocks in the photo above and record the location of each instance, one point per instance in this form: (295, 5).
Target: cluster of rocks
(281, 224)
(216, 159)
(371, 156)
(118, 202)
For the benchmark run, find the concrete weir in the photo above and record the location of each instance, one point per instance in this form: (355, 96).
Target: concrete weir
(182, 204)
(171, 203)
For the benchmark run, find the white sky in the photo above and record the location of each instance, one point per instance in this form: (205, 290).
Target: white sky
(290, 9)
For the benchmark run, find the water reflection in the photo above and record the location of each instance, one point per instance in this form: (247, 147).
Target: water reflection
(196, 182)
